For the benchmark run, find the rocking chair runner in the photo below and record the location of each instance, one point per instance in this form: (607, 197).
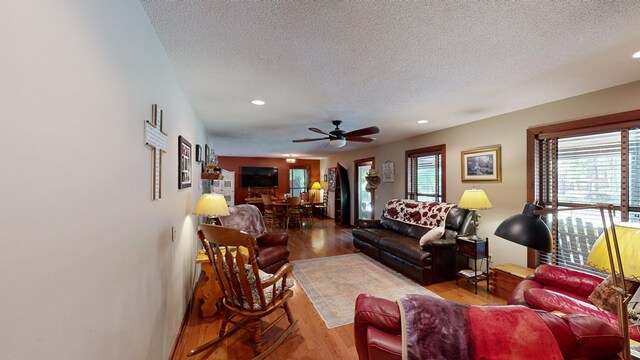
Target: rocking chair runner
(249, 293)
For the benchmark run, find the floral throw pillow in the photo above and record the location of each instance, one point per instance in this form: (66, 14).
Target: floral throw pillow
(605, 296)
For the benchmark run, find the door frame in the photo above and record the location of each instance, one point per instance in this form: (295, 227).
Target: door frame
(356, 191)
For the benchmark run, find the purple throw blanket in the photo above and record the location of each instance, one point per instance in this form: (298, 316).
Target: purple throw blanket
(434, 328)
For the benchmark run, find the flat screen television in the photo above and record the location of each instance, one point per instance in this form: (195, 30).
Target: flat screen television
(254, 176)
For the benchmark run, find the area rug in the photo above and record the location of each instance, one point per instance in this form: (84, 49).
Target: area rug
(333, 283)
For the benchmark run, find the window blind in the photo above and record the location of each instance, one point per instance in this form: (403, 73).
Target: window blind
(424, 177)
(586, 169)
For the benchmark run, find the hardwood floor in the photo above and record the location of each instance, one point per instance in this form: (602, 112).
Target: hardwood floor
(311, 339)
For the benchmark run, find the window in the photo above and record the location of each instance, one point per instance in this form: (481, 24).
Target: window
(590, 161)
(425, 174)
(298, 181)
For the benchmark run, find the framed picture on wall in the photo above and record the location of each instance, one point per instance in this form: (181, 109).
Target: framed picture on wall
(199, 153)
(184, 163)
(482, 164)
(332, 178)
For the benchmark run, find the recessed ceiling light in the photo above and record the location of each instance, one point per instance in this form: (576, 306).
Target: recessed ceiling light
(423, 121)
(257, 102)
(636, 55)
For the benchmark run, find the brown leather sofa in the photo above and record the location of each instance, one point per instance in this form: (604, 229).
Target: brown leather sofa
(396, 244)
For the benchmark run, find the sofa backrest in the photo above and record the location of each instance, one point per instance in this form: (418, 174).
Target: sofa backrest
(457, 221)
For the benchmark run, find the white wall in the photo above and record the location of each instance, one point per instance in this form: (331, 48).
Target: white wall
(509, 130)
(89, 269)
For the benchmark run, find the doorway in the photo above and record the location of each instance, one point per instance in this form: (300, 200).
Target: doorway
(364, 204)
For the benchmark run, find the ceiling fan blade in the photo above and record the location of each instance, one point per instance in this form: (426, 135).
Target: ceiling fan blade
(363, 132)
(318, 131)
(360, 139)
(307, 139)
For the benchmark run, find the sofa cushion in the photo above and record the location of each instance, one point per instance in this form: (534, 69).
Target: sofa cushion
(394, 225)
(575, 282)
(371, 236)
(583, 336)
(431, 235)
(406, 248)
(417, 231)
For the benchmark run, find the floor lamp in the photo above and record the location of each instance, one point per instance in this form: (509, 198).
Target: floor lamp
(211, 206)
(611, 253)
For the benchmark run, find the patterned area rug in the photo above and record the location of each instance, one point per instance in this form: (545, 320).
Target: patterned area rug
(333, 283)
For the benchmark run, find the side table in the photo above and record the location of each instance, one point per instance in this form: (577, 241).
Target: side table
(505, 277)
(210, 290)
(475, 250)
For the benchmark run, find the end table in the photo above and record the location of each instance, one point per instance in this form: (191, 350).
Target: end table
(475, 250)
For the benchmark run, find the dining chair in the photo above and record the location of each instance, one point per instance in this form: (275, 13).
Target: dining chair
(306, 209)
(323, 205)
(293, 215)
(270, 215)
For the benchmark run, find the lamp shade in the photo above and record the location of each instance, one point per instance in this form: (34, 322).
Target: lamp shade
(474, 199)
(211, 205)
(526, 229)
(337, 143)
(316, 186)
(628, 236)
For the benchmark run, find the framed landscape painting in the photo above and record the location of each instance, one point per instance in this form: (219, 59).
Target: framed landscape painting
(482, 164)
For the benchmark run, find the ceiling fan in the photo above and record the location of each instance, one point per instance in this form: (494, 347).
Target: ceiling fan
(338, 138)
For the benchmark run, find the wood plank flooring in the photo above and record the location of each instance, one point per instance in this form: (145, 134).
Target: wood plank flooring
(311, 339)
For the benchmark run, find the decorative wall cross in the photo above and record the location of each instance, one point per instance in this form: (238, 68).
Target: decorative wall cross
(156, 139)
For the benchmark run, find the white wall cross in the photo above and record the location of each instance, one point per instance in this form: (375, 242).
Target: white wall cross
(156, 139)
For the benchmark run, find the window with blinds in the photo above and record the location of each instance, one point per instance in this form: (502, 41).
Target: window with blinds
(425, 174)
(576, 170)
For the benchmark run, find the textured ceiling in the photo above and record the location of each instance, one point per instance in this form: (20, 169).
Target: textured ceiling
(383, 63)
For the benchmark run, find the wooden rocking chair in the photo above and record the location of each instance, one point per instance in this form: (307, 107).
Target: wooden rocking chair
(249, 293)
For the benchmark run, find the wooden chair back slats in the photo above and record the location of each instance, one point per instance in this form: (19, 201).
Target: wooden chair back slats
(228, 249)
(233, 257)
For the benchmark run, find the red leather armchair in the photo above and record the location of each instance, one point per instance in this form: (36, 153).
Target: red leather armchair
(272, 251)
(554, 288)
(271, 247)
(377, 331)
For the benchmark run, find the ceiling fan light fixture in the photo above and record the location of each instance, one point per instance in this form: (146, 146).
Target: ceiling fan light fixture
(337, 143)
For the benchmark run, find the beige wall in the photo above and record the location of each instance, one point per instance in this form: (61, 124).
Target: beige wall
(508, 130)
(89, 266)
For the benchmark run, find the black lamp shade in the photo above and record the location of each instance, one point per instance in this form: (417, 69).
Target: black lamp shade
(526, 229)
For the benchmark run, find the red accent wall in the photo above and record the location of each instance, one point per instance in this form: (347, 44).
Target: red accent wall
(233, 163)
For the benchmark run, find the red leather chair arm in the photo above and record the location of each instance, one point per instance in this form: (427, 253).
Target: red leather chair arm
(273, 239)
(383, 346)
(572, 281)
(375, 312)
(517, 295)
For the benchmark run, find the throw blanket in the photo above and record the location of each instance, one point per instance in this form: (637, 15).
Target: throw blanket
(429, 214)
(246, 218)
(434, 328)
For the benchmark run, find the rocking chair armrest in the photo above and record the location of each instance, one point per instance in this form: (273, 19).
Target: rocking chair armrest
(286, 268)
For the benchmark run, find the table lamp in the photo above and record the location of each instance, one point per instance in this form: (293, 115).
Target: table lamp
(614, 254)
(474, 200)
(316, 194)
(211, 206)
